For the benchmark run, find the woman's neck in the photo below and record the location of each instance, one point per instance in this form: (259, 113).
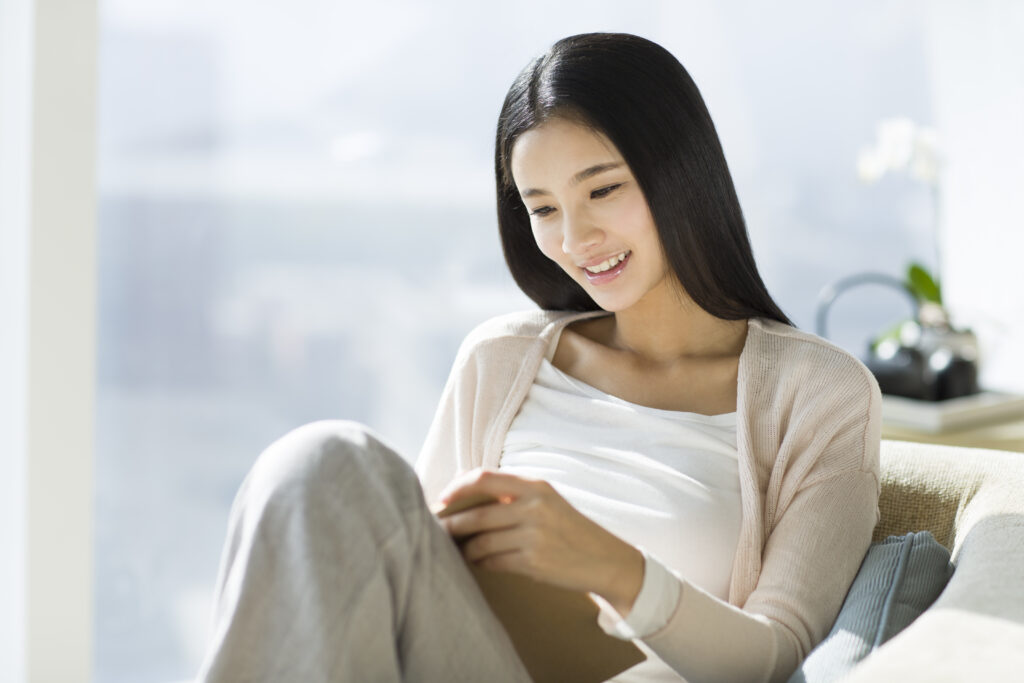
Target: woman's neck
(676, 329)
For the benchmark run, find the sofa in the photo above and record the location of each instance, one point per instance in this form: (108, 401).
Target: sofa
(972, 501)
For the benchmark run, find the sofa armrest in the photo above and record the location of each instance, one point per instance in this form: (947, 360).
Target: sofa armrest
(975, 630)
(971, 500)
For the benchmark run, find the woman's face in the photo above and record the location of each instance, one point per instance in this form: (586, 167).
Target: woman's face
(588, 214)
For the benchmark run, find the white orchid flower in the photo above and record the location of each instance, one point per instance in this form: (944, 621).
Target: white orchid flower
(900, 145)
(924, 163)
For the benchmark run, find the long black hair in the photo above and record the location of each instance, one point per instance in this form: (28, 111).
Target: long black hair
(643, 100)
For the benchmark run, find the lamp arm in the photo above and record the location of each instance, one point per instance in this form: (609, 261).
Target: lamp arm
(830, 292)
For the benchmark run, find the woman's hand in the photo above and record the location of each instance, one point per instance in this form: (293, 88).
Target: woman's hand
(533, 531)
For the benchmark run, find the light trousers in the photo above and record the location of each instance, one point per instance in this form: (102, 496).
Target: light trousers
(334, 569)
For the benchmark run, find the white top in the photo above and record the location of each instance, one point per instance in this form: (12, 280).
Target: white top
(666, 482)
(808, 423)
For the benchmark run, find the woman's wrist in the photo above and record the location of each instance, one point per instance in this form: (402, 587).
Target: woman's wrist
(625, 581)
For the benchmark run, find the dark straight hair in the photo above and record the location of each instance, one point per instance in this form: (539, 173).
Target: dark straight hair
(643, 100)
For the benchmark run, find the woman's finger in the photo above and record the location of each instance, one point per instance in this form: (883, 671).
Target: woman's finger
(500, 485)
(493, 543)
(483, 518)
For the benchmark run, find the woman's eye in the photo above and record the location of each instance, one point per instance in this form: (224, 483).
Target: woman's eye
(541, 211)
(604, 191)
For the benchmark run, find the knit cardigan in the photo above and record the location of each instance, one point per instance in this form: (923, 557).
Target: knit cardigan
(808, 436)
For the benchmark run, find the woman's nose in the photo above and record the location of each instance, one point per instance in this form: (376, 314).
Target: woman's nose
(579, 234)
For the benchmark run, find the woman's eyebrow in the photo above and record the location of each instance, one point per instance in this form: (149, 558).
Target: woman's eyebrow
(578, 178)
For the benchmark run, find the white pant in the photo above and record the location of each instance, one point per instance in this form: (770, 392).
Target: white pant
(335, 570)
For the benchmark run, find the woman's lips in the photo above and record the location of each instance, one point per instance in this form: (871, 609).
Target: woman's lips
(608, 275)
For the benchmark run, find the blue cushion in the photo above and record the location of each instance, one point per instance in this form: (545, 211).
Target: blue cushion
(899, 579)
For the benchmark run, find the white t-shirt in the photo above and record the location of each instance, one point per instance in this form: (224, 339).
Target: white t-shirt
(666, 482)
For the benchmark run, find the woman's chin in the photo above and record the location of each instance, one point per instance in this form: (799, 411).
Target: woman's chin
(610, 303)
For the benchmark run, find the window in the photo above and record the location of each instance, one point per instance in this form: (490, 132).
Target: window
(296, 222)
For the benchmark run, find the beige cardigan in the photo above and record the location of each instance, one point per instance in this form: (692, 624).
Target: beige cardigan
(808, 435)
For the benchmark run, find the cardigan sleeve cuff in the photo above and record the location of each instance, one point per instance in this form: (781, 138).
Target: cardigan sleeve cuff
(654, 605)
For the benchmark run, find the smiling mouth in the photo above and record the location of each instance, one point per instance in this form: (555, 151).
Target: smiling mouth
(607, 264)
(607, 270)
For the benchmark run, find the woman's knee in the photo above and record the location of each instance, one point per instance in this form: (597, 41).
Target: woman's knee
(331, 460)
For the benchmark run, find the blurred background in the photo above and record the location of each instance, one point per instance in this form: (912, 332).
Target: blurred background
(296, 222)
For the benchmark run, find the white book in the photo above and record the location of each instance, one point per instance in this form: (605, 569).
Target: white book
(934, 417)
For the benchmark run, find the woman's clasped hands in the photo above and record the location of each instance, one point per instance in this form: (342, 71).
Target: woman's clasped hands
(530, 529)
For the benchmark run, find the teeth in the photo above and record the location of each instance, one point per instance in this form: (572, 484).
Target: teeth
(610, 263)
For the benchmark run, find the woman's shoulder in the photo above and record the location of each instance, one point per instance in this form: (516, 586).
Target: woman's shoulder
(789, 350)
(828, 390)
(522, 327)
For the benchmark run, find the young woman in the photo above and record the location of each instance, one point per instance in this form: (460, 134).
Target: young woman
(658, 434)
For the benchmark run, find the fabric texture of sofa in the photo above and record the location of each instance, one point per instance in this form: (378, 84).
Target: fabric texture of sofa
(972, 501)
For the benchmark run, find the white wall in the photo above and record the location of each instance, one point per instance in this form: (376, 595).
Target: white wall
(47, 349)
(15, 51)
(977, 70)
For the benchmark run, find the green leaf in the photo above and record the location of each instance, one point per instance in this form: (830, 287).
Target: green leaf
(922, 284)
